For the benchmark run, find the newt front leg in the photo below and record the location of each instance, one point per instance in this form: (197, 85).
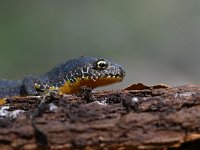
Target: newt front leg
(33, 85)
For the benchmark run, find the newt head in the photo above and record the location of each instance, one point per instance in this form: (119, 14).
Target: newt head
(90, 72)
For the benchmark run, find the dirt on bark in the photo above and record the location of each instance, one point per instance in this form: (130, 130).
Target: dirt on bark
(138, 117)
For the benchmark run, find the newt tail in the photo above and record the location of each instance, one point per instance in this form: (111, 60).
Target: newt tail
(67, 78)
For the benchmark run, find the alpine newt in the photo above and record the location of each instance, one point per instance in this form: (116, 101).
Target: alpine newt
(67, 78)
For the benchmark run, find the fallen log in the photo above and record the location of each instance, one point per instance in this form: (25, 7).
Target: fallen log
(159, 117)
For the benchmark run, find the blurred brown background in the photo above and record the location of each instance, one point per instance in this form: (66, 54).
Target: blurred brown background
(157, 41)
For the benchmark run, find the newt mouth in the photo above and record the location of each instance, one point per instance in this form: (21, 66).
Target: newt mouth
(93, 83)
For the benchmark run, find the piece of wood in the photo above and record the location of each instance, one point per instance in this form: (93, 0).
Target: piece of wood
(154, 118)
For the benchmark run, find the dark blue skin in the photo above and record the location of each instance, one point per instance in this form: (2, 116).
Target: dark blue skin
(71, 70)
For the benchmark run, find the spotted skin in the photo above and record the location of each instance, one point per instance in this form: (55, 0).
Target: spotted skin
(67, 78)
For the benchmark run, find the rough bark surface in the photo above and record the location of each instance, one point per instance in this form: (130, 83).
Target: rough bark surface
(148, 118)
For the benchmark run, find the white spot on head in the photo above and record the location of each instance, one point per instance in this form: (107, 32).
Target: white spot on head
(67, 78)
(82, 72)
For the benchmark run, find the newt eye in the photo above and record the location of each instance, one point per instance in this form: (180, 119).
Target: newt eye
(101, 64)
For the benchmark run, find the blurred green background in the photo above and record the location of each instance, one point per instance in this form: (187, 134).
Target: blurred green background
(157, 41)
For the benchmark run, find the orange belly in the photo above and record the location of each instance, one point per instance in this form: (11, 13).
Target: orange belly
(70, 88)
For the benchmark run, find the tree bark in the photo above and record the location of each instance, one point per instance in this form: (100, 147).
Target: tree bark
(148, 118)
